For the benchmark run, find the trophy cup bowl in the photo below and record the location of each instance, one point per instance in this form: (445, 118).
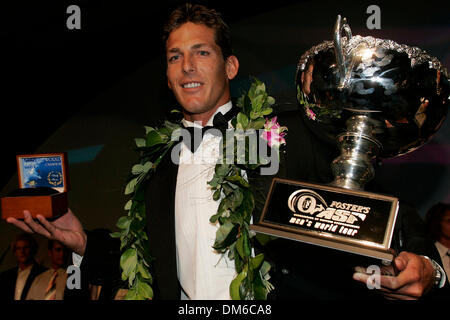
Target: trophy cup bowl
(377, 99)
(386, 99)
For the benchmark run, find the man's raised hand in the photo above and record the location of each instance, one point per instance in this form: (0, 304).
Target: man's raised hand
(67, 229)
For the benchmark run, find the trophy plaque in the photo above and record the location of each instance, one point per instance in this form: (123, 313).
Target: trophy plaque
(384, 99)
(43, 186)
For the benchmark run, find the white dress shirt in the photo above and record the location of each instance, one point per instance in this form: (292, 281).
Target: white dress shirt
(203, 273)
(22, 276)
(445, 258)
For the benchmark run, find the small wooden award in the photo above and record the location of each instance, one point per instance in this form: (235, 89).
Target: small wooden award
(43, 186)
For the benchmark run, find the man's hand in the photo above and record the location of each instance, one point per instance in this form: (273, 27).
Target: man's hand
(67, 229)
(415, 277)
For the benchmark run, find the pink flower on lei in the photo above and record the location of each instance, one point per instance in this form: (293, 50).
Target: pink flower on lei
(310, 114)
(273, 133)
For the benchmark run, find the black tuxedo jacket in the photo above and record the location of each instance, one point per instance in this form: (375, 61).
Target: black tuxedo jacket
(299, 270)
(8, 282)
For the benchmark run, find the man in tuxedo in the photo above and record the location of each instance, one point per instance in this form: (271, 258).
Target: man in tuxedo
(200, 65)
(16, 282)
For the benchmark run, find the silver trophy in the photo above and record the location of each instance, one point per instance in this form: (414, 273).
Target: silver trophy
(388, 99)
(378, 99)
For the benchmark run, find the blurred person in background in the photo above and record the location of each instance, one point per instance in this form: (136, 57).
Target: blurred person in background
(438, 223)
(16, 282)
(50, 285)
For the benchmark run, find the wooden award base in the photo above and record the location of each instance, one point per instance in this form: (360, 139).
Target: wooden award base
(43, 201)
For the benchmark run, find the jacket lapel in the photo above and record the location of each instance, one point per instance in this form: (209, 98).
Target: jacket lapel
(160, 206)
(35, 271)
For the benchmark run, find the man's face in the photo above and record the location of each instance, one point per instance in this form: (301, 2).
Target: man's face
(196, 71)
(23, 251)
(58, 254)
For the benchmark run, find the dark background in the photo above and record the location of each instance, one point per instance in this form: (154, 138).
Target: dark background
(50, 72)
(88, 92)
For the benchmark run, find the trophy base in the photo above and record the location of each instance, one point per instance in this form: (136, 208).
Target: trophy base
(357, 222)
(387, 256)
(39, 201)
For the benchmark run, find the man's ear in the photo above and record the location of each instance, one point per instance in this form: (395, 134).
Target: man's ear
(231, 67)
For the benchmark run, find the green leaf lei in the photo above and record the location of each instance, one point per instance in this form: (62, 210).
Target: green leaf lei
(230, 186)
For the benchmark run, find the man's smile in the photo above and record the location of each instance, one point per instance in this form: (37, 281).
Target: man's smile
(191, 85)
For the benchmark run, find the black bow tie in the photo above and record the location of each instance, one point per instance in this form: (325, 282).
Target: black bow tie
(220, 122)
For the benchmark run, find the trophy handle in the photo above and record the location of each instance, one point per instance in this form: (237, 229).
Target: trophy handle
(341, 25)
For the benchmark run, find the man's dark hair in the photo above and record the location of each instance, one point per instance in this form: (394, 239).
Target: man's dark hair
(434, 218)
(200, 14)
(31, 242)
